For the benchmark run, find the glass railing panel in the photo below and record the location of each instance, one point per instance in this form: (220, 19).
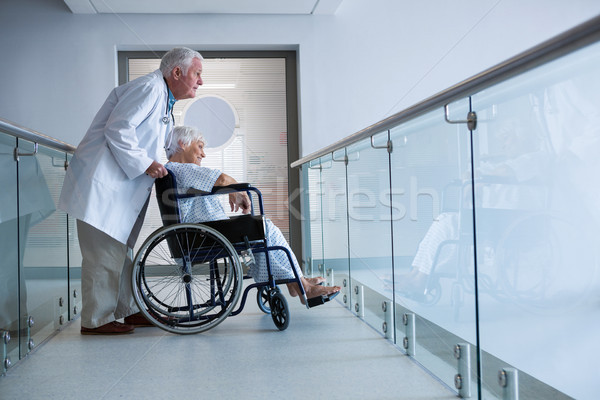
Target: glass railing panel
(369, 232)
(74, 253)
(433, 241)
(43, 230)
(9, 250)
(537, 220)
(335, 221)
(311, 219)
(74, 269)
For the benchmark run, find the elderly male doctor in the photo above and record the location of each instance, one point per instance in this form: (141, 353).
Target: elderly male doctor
(109, 180)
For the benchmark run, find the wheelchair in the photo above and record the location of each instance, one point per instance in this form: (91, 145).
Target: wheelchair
(518, 251)
(187, 277)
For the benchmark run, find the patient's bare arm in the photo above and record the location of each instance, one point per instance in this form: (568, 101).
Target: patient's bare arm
(238, 200)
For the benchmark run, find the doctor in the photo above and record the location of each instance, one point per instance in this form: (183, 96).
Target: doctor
(109, 180)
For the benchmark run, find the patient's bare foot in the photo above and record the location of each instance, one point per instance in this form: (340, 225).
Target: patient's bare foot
(316, 280)
(295, 290)
(311, 290)
(317, 290)
(413, 282)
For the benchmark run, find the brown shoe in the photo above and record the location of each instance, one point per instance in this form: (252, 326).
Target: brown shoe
(138, 319)
(112, 328)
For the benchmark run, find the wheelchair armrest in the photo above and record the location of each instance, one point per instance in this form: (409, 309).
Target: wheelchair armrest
(236, 187)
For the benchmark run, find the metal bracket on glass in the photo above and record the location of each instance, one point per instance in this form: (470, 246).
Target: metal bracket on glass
(409, 341)
(30, 342)
(359, 301)
(388, 321)
(471, 120)
(61, 163)
(17, 154)
(353, 156)
(344, 160)
(508, 379)
(462, 379)
(389, 146)
(6, 364)
(345, 294)
(320, 165)
(329, 277)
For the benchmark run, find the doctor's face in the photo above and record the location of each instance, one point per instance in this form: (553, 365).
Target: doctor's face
(194, 153)
(185, 85)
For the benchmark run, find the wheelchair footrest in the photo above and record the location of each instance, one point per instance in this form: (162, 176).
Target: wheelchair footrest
(317, 301)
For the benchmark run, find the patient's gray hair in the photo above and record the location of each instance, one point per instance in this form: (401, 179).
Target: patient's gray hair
(178, 57)
(183, 136)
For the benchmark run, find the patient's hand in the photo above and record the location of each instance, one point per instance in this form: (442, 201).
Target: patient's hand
(239, 201)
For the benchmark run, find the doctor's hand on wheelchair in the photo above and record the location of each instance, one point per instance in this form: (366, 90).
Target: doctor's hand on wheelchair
(156, 170)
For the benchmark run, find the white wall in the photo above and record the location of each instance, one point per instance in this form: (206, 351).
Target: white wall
(379, 57)
(368, 61)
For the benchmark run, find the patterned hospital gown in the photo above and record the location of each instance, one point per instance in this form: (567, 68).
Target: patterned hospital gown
(209, 208)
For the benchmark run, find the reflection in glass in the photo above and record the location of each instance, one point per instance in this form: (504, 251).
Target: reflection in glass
(74, 254)
(335, 222)
(497, 227)
(537, 198)
(42, 242)
(433, 238)
(9, 249)
(312, 219)
(370, 231)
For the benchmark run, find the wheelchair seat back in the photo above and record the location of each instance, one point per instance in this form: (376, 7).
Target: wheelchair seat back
(166, 196)
(237, 229)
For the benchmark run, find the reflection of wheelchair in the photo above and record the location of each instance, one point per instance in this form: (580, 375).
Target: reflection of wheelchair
(187, 278)
(519, 254)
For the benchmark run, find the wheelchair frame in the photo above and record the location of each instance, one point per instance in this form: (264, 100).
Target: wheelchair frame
(197, 279)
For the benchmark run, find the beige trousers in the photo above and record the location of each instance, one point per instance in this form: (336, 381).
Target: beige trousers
(106, 274)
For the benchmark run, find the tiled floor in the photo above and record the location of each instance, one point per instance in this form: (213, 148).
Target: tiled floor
(326, 353)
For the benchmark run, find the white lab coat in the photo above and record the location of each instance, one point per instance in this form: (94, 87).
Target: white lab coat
(105, 184)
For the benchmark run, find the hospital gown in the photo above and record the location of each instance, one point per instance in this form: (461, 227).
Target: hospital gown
(209, 208)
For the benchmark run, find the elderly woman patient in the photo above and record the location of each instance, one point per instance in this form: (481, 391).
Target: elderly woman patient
(185, 158)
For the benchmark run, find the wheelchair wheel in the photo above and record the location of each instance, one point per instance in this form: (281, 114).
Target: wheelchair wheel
(186, 278)
(531, 256)
(262, 298)
(279, 310)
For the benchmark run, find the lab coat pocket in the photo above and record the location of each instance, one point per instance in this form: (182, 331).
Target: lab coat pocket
(108, 172)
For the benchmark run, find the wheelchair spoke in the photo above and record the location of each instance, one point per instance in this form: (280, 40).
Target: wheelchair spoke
(187, 278)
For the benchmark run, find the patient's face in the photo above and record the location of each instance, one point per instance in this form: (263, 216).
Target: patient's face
(194, 153)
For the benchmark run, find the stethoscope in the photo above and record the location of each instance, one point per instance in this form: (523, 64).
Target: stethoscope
(166, 119)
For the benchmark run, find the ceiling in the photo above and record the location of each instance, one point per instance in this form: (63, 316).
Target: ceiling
(297, 7)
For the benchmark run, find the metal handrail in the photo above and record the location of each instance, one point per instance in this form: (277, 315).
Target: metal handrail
(33, 136)
(560, 45)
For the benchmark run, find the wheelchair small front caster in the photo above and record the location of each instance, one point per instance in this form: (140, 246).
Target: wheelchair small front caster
(279, 310)
(262, 298)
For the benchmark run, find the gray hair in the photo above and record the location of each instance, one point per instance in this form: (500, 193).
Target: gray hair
(178, 57)
(185, 135)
